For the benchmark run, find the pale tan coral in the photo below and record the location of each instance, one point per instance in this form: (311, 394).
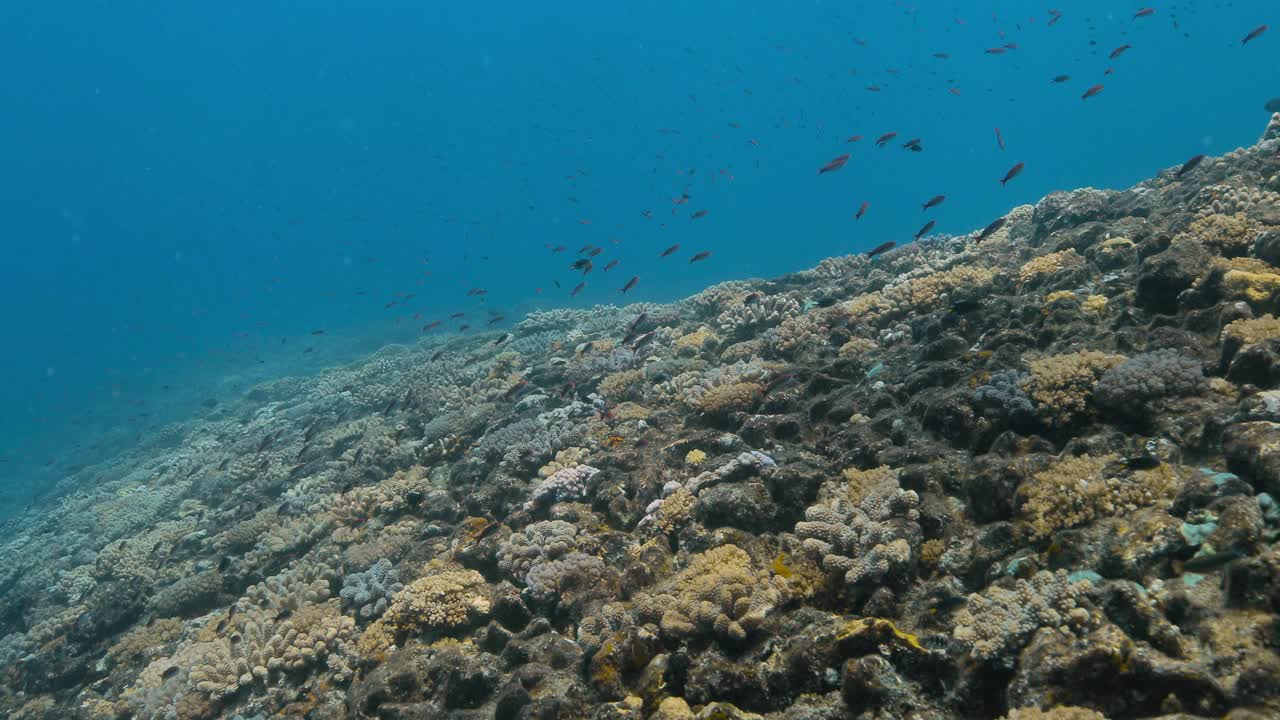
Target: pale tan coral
(733, 397)
(695, 457)
(856, 347)
(1250, 331)
(798, 332)
(1049, 264)
(387, 497)
(1061, 712)
(439, 601)
(721, 591)
(1076, 490)
(675, 511)
(616, 387)
(567, 458)
(145, 639)
(1094, 304)
(1062, 385)
(693, 342)
(1057, 295)
(916, 294)
(1225, 234)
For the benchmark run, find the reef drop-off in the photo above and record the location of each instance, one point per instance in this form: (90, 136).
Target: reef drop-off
(1025, 473)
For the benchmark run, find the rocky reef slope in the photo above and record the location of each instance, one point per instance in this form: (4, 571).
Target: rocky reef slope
(1027, 473)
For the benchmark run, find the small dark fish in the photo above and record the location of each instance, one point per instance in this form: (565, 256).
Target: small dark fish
(883, 247)
(1091, 92)
(1144, 12)
(1253, 34)
(934, 201)
(224, 464)
(630, 284)
(584, 265)
(577, 289)
(431, 326)
(496, 319)
(835, 164)
(880, 141)
(751, 299)
(862, 210)
(1212, 561)
(1188, 166)
(568, 389)
(700, 256)
(778, 382)
(235, 638)
(913, 145)
(949, 603)
(169, 672)
(962, 307)
(595, 251)
(156, 547)
(669, 251)
(359, 456)
(1119, 51)
(390, 406)
(270, 438)
(457, 315)
(224, 562)
(317, 332)
(698, 214)
(942, 56)
(1060, 78)
(1013, 173)
(611, 265)
(1142, 462)
(990, 229)
(999, 139)
(222, 625)
(927, 227)
(639, 319)
(501, 339)
(438, 354)
(310, 432)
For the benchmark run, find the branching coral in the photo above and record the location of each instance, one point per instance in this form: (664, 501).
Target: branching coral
(999, 621)
(764, 312)
(564, 484)
(1075, 490)
(1049, 264)
(370, 591)
(439, 601)
(1062, 385)
(863, 528)
(720, 592)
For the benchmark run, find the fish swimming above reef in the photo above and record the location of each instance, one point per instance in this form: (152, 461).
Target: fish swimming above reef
(1273, 105)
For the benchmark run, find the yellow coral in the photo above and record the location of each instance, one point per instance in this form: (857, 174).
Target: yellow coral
(1061, 385)
(720, 591)
(1227, 234)
(1062, 712)
(616, 387)
(1252, 286)
(732, 397)
(860, 483)
(675, 510)
(695, 457)
(1049, 264)
(917, 294)
(1076, 490)
(693, 342)
(1094, 304)
(1250, 331)
(1057, 295)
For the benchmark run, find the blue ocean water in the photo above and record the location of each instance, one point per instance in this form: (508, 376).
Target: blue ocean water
(192, 190)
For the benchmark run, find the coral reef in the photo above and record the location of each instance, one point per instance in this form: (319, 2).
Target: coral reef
(1026, 473)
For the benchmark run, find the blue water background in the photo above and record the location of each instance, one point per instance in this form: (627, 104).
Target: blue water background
(189, 190)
